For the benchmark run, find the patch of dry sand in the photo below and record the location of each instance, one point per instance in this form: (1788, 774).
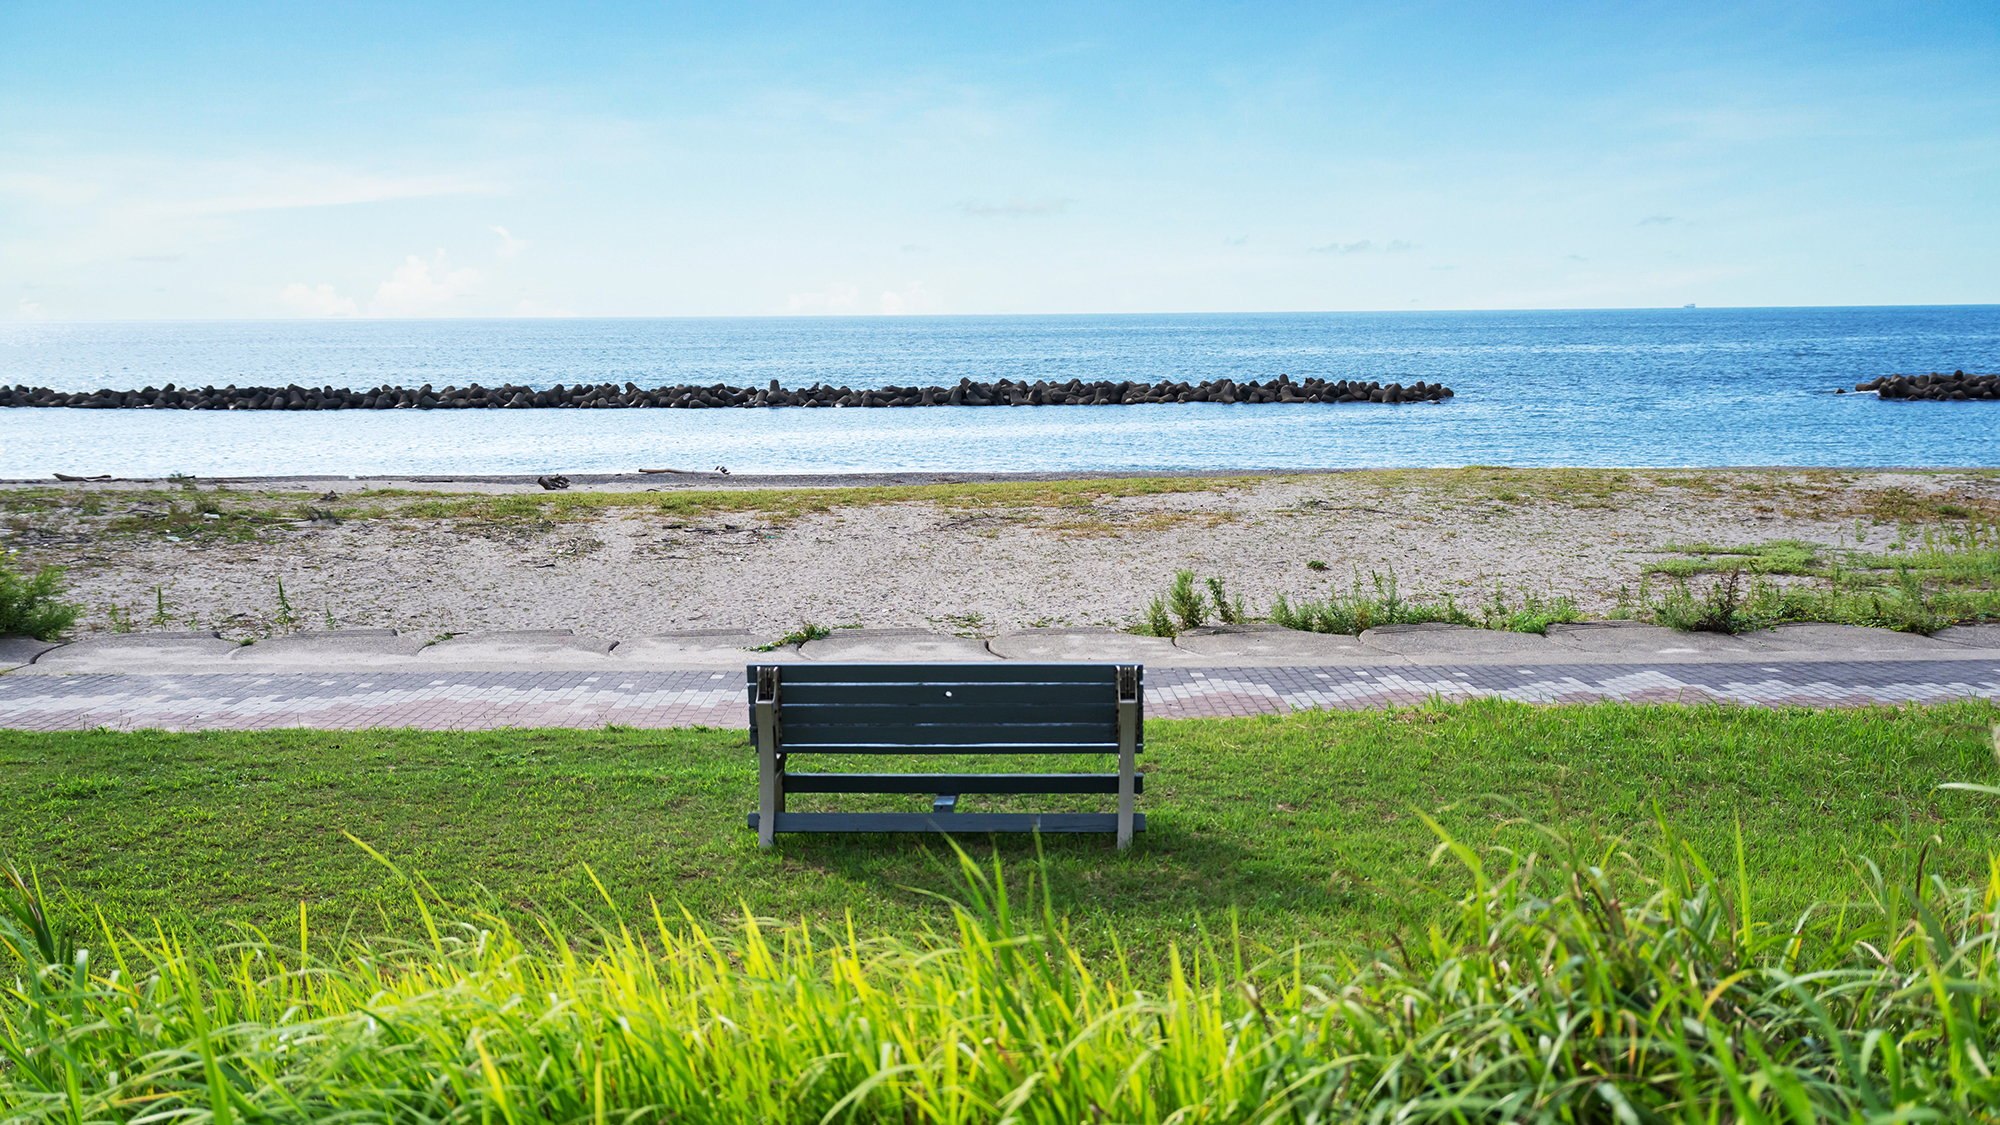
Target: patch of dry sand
(638, 570)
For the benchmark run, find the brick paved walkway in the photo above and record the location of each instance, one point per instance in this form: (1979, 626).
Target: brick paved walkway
(487, 700)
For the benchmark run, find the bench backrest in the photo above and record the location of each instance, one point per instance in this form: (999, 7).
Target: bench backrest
(1009, 708)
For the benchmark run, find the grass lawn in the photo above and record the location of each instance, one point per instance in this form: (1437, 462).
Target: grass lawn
(1304, 825)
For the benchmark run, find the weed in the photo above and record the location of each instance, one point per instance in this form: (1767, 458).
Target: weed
(330, 622)
(1315, 564)
(1233, 611)
(1363, 609)
(120, 618)
(1158, 623)
(1190, 608)
(285, 620)
(161, 616)
(807, 631)
(33, 607)
(1533, 615)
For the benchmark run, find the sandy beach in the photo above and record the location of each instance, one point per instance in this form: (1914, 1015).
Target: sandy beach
(629, 556)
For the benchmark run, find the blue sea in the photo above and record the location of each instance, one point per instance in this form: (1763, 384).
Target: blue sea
(1650, 387)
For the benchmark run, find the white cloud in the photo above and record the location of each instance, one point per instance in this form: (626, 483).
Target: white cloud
(414, 289)
(840, 296)
(30, 310)
(509, 245)
(914, 298)
(319, 300)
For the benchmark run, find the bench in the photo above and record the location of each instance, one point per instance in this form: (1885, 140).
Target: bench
(1005, 708)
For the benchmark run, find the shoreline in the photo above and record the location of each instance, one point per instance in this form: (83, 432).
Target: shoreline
(921, 478)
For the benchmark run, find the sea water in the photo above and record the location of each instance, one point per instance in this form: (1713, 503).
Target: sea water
(1669, 387)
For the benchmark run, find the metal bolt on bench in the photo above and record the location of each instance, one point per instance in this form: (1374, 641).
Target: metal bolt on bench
(945, 709)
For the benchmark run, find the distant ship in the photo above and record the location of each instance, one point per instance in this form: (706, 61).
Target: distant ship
(1689, 305)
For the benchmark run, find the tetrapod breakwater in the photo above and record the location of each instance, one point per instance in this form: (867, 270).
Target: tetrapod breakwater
(613, 396)
(1957, 386)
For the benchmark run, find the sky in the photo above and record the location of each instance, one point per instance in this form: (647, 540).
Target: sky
(446, 159)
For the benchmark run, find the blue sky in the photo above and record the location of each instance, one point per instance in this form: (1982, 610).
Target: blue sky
(451, 159)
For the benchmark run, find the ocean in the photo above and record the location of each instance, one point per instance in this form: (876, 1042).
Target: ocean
(1647, 387)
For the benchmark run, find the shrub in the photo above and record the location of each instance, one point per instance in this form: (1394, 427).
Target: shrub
(33, 607)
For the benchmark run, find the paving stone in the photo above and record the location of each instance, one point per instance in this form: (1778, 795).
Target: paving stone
(340, 648)
(1633, 639)
(1970, 636)
(1087, 644)
(481, 700)
(702, 648)
(1259, 644)
(895, 646)
(135, 652)
(1437, 643)
(16, 651)
(524, 649)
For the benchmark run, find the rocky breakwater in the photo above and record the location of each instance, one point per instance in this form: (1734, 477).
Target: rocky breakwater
(608, 396)
(1957, 386)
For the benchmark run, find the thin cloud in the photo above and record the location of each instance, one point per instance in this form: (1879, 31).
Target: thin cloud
(1016, 208)
(1239, 240)
(316, 300)
(1576, 258)
(157, 257)
(1365, 246)
(509, 245)
(1656, 220)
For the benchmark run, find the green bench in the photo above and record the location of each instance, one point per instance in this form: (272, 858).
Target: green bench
(1002, 708)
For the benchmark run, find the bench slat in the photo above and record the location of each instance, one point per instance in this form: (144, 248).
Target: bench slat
(950, 822)
(957, 783)
(798, 714)
(1008, 672)
(947, 734)
(952, 748)
(978, 695)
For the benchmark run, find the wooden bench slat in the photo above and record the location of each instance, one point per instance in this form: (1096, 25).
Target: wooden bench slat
(798, 714)
(950, 822)
(957, 783)
(949, 734)
(952, 748)
(977, 695)
(1009, 672)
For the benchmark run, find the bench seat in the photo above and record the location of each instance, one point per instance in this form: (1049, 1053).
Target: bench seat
(945, 709)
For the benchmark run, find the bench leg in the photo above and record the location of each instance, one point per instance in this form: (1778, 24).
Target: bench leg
(1125, 785)
(768, 796)
(1128, 749)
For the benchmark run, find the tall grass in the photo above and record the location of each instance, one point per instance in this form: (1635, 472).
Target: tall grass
(1588, 985)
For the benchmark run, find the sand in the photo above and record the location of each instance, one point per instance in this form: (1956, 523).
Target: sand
(954, 567)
